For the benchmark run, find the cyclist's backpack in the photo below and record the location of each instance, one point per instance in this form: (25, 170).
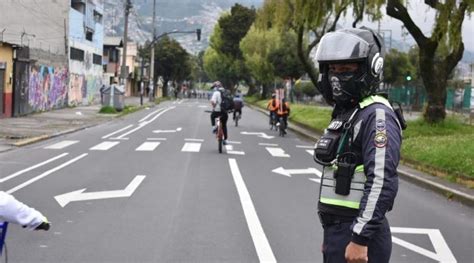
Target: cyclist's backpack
(227, 102)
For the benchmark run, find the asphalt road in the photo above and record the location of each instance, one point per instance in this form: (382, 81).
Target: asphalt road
(157, 190)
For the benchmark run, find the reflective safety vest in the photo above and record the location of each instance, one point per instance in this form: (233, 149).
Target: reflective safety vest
(328, 182)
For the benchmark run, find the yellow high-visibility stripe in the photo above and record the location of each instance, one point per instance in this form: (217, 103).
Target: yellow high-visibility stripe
(330, 201)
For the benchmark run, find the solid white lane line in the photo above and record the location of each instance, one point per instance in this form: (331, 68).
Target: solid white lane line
(305, 146)
(311, 152)
(32, 167)
(147, 147)
(104, 146)
(115, 132)
(260, 241)
(156, 139)
(144, 123)
(191, 147)
(147, 116)
(120, 139)
(46, 173)
(194, 140)
(61, 145)
(268, 144)
(277, 152)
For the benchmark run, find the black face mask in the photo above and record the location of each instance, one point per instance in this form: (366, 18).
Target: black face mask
(345, 90)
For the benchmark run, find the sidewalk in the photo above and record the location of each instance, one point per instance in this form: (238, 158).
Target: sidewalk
(450, 190)
(17, 132)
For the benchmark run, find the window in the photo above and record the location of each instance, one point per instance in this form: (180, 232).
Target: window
(77, 54)
(79, 5)
(97, 17)
(97, 59)
(89, 35)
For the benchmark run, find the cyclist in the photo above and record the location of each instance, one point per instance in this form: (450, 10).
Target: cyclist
(14, 211)
(238, 104)
(283, 111)
(272, 106)
(216, 100)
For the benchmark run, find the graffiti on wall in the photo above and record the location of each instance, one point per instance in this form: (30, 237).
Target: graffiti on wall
(47, 88)
(84, 90)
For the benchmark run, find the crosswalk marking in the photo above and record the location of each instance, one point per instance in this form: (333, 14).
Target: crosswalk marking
(147, 146)
(61, 145)
(191, 147)
(193, 140)
(104, 146)
(305, 146)
(268, 144)
(277, 152)
(156, 139)
(230, 150)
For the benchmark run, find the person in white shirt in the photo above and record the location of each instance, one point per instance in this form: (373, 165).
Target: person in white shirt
(216, 100)
(14, 211)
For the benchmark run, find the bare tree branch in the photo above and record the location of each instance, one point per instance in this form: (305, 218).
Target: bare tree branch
(360, 12)
(434, 4)
(396, 10)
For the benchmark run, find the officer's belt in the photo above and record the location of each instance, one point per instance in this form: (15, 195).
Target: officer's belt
(329, 219)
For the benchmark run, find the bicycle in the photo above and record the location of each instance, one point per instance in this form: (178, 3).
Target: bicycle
(282, 127)
(3, 233)
(237, 118)
(273, 121)
(219, 132)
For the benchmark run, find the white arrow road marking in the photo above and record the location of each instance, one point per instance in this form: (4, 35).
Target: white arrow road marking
(442, 252)
(115, 132)
(259, 134)
(315, 180)
(78, 195)
(11, 191)
(147, 147)
(277, 152)
(289, 172)
(191, 147)
(31, 168)
(61, 145)
(104, 146)
(260, 241)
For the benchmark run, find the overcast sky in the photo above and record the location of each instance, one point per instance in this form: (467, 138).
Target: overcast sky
(423, 16)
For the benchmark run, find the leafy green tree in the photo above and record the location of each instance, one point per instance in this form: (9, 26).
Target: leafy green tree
(224, 55)
(439, 53)
(171, 62)
(256, 47)
(396, 65)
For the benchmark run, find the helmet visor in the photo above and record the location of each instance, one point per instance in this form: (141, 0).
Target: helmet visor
(335, 46)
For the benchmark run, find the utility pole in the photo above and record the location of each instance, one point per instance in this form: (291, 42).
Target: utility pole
(123, 75)
(151, 92)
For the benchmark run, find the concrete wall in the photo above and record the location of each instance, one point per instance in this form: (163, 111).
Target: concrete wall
(6, 56)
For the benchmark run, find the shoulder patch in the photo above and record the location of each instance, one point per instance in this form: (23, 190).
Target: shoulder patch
(380, 140)
(380, 125)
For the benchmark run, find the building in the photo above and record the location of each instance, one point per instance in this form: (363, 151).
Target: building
(56, 51)
(111, 58)
(6, 79)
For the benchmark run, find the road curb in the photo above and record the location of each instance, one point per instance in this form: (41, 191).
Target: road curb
(36, 139)
(423, 181)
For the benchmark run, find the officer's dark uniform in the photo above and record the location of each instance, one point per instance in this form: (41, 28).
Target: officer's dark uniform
(360, 151)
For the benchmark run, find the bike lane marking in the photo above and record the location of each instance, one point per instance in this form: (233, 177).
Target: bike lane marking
(32, 167)
(147, 147)
(14, 189)
(61, 145)
(277, 152)
(104, 146)
(191, 147)
(260, 241)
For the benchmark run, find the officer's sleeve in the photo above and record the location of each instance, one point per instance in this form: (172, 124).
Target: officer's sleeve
(381, 141)
(14, 211)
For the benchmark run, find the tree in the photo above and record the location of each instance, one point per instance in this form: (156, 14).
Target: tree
(285, 59)
(171, 62)
(304, 16)
(396, 65)
(256, 47)
(439, 53)
(224, 47)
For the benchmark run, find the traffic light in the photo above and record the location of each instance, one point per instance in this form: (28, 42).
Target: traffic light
(408, 76)
(198, 33)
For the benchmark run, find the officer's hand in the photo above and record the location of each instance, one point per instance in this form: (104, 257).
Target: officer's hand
(356, 253)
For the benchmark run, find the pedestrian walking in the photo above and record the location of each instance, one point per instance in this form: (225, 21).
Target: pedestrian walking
(359, 151)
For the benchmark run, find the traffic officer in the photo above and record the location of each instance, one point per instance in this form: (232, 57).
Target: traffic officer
(14, 211)
(359, 150)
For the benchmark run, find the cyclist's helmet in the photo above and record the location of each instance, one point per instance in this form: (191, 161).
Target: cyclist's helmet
(362, 46)
(273, 95)
(216, 84)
